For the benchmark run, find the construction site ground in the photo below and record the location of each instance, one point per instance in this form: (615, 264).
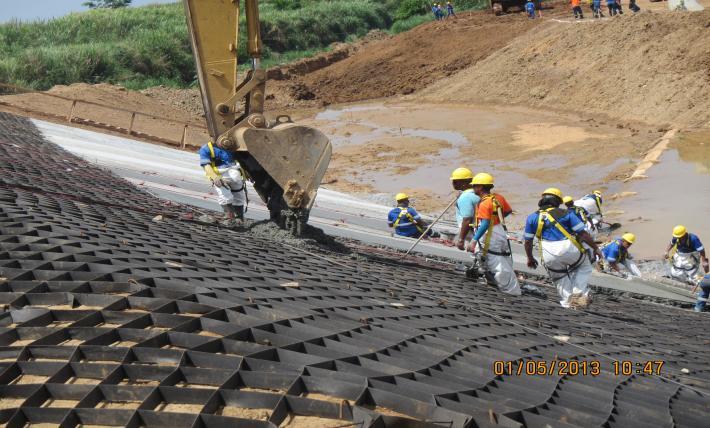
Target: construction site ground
(121, 304)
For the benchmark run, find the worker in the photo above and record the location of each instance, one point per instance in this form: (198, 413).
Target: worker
(581, 213)
(703, 294)
(616, 252)
(405, 219)
(686, 253)
(613, 6)
(465, 204)
(565, 248)
(593, 204)
(450, 10)
(577, 9)
(530, 9)
(597, 8)
(436, 9)
(490, 227)
(227, 179)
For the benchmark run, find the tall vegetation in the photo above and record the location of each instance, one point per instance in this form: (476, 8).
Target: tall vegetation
(147, 46)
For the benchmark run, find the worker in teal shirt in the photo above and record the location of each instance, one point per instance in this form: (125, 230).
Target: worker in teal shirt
(465, 205)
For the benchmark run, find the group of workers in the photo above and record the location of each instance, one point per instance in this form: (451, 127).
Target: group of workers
(438, 10)
(566, 235)
(532, 8)
(566, 231)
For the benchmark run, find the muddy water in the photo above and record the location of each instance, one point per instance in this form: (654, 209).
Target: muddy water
(383, 148)
(677, 191)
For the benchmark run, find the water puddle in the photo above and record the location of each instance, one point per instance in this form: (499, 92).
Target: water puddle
(677, 191)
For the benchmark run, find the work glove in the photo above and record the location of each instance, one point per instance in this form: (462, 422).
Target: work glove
(218, 182)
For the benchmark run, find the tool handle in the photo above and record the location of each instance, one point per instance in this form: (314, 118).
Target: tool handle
(428, 228)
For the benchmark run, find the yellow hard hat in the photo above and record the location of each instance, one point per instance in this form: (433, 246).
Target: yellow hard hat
(554, 191)
(629, 237)
(567, 199)
(597, 192)
(482, 178)
(462, 174)
(679, 231)
(401, 197)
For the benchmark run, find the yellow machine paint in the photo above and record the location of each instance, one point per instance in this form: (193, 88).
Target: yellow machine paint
(286, 161)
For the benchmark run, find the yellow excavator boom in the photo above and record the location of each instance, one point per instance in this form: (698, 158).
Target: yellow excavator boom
(285, 161)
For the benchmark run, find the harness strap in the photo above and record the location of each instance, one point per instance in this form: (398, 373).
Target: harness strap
(489, 232)
(597, 200)
(213, 164)
(545, 215)
(405, 212)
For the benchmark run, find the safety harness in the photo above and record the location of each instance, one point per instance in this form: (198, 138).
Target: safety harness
(404, 212)
(623, 252)
(546, 214)
(693, 256)
(598, 201)
(213, 165)
(498, 212)
(582, 213)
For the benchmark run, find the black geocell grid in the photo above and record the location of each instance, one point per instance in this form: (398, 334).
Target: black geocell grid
(110, 318)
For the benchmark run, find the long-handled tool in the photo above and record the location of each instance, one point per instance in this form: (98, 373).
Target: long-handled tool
(428, 228)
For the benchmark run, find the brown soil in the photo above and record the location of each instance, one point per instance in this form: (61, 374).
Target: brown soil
(10, 403)
(244, 413)
(653, 67)
(298, 421)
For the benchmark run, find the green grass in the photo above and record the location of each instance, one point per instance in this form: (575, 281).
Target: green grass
(148, 46)
(140, 47)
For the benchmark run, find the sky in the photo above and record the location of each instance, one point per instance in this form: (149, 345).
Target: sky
(29, 10)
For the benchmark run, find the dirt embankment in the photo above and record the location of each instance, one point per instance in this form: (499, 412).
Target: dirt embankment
(415, 59)
(653, 67)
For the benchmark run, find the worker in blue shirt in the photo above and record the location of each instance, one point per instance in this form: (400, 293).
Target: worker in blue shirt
(465, 205)
(530, 9)
(616, 253)
(227, 179)
(686, 253)
(565, 248)
(703, 294)
(405, 219)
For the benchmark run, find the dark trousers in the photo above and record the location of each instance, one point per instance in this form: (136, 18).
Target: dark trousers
(577, 12)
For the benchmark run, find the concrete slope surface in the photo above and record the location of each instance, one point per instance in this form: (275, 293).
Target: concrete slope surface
(112, 315)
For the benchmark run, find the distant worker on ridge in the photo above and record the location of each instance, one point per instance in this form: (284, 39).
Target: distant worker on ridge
(495, 249)
(227, 179)
(616, 253)
(565, 249)
(450, 10)
(465, 204)
(577, 9)
(530, 9)
(686, 253)
(405, 219)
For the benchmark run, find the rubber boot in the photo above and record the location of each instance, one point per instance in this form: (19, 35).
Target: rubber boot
(238, 212)
(229, 215)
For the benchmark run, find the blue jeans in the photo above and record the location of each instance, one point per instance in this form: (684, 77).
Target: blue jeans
(703, 294)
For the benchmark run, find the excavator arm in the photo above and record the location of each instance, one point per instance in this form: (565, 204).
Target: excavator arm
(285, 161)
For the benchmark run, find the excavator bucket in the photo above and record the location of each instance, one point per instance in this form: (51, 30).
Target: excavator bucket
(296, 157)
(285, 161)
